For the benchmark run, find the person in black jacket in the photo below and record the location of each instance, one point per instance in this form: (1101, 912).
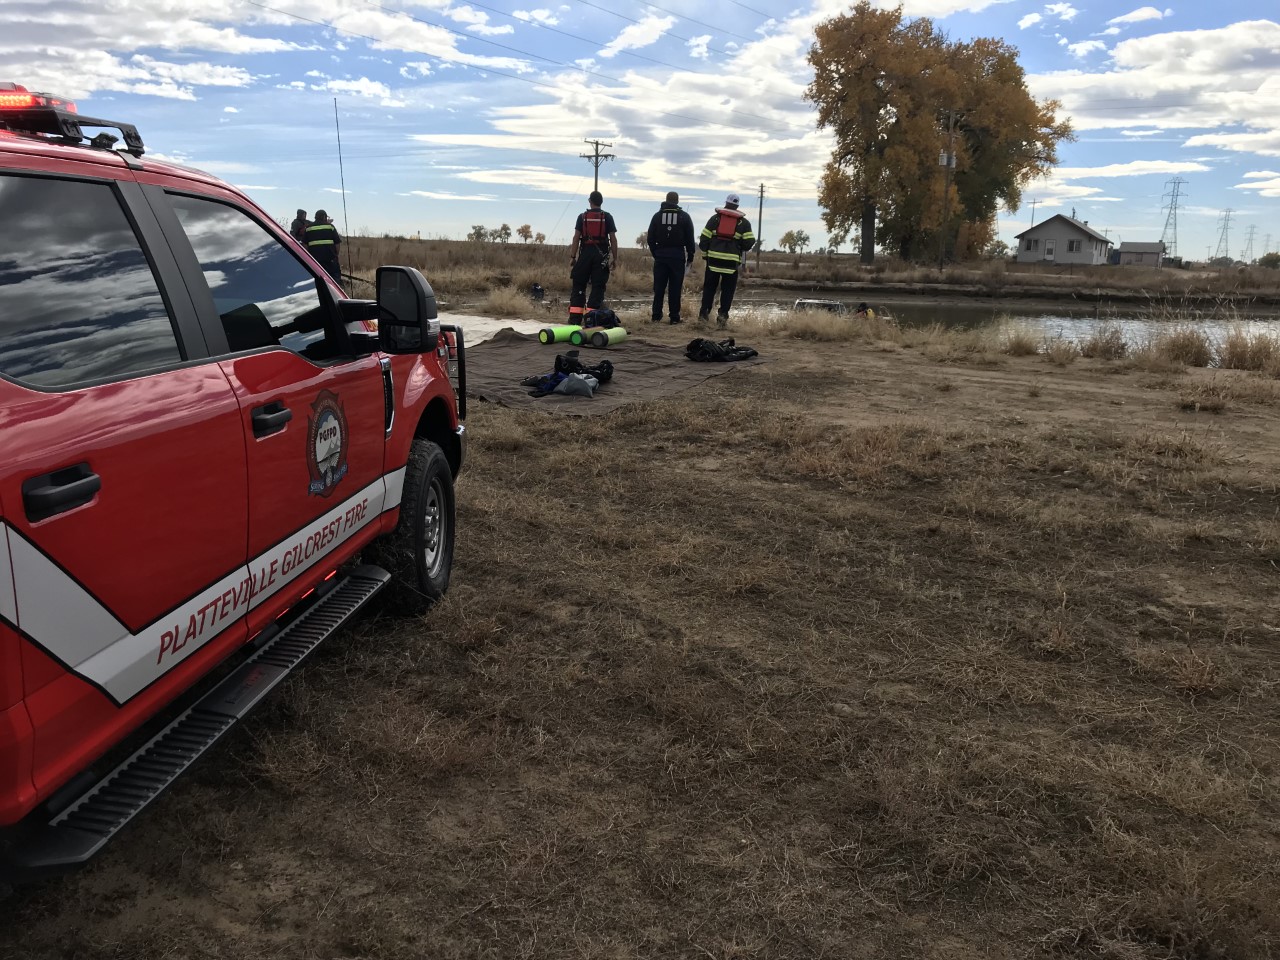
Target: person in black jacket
(298, 229)
(323, 241)
(672, 244)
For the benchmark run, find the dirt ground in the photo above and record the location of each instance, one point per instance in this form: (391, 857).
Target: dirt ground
(864, 652)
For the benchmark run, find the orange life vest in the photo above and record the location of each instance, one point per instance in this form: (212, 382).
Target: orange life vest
(594, 227)
(727, 225)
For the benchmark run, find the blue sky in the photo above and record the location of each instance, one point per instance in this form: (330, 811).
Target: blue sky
(454, 114)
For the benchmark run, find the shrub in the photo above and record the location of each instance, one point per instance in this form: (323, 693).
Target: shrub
(1188, 346)
(1105, 343)
(1061, 351)
(1242, 350)
(1019, 343)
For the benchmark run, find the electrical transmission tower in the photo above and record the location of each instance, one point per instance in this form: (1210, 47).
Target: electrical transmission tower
(1247, 256)
(1224, 250)
(1170, 236)
(597, 157)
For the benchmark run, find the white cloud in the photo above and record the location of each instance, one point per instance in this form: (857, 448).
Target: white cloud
(477, 21)
(1109, 32)
(435, 195)
(1220, 84)
(1260, 174)
(698, 46)
(364, 87)
(1063, 11)
(1030, 20)
(1142, 13)
(647, 31)
(1141, 133)
(230, 110)
(544, 17)
(1134, 168)
(1264, 143)
(1085, 47)
(1266, 188)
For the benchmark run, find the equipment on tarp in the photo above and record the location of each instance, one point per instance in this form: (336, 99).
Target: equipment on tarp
(598, 336)
(558, 334)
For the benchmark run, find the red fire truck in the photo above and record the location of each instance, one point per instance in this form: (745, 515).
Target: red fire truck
(212, 459)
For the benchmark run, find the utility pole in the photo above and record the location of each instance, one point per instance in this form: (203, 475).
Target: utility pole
(948, 160)
(1034, 204)
(597, 157)
(1266, 244)
(1170, 236)
(759, 235)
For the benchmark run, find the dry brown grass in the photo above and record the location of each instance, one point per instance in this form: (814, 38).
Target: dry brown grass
(508, 301)
(1107, 342)
(1241, 350)
(1019, 343)
(1060, 351)
(812, 661)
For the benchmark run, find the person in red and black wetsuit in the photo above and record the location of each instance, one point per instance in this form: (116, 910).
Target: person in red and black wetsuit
(595, 246)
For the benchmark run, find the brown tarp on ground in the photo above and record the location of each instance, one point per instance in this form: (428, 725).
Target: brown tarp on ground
(641, 371)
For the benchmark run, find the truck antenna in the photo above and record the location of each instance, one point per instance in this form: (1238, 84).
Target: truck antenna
(342, 181)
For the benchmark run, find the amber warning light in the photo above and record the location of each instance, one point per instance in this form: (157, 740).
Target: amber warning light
(13, 96)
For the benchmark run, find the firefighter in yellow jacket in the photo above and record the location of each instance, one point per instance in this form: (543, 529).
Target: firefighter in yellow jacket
(724, 243)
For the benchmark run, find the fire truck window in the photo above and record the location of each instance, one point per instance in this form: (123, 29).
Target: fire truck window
(265, 296)
(78, 300)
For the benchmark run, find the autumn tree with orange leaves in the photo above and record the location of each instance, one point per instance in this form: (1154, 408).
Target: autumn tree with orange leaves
(900, 98)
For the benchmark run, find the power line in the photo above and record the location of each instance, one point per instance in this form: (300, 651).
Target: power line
(752, 10)
(709, 26)
(623, 16)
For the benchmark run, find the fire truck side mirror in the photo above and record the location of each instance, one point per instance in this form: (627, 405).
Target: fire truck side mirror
(406, 311)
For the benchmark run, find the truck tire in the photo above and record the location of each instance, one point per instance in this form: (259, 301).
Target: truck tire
(419, 552)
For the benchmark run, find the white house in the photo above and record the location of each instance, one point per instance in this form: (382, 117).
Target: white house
(1141, 254)
(1062, 239)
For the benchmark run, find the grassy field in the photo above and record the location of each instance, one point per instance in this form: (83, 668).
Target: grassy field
(902, 644)
(464, 269)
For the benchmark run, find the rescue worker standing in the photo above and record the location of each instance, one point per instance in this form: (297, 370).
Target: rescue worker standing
(298, 229)
(323, 241)
(725, 240)
(595, 246)
(672, 245)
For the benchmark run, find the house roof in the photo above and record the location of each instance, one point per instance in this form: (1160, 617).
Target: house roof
(1069, 221)
(1128, 247)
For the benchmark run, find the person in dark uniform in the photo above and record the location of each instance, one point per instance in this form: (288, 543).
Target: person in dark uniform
(673, 247)
(595, 246)
(323, 241)
(724, 242)
(298, 229)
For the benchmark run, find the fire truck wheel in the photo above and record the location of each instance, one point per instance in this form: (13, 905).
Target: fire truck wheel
(419, 553)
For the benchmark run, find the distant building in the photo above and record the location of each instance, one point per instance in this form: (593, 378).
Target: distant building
(1062, 239)
(1141, 254)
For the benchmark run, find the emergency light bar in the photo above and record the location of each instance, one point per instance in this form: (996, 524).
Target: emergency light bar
(16, 97)
(26, 112)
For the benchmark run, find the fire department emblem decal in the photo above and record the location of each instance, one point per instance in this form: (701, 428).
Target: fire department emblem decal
(326, 444)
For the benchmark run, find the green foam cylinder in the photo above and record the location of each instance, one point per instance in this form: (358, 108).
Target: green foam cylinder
(579, 336)
(558, 334)
(607, 336)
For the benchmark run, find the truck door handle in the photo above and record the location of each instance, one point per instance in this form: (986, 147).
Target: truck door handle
(59, 491)
(270, 418)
